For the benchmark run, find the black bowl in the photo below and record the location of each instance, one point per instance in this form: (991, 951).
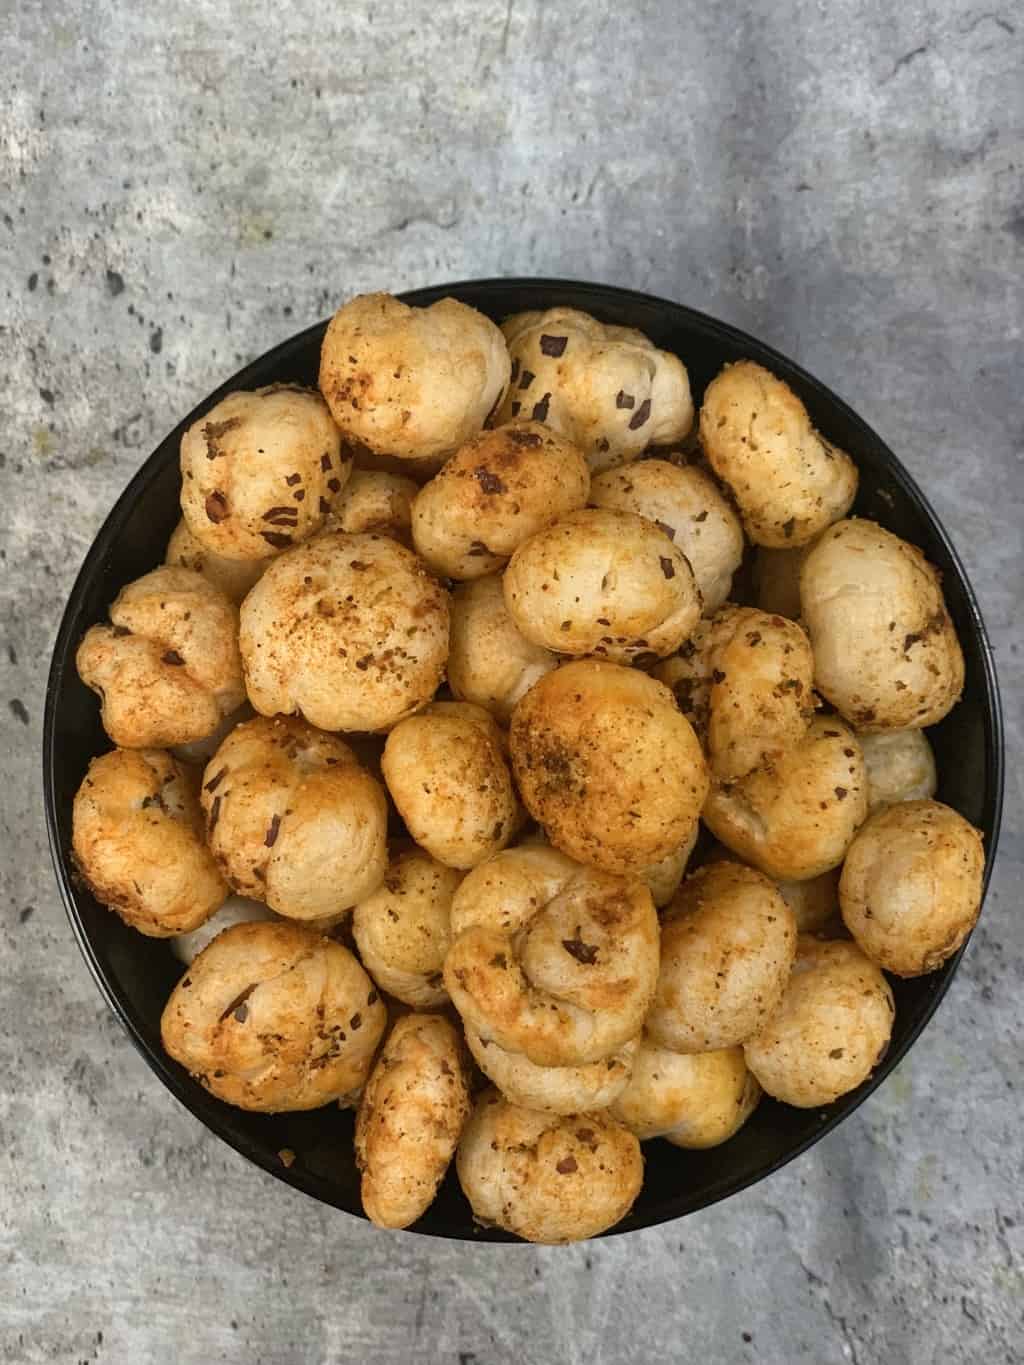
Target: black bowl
(136, 974)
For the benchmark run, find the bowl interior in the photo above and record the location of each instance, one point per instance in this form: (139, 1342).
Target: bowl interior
(136, 974)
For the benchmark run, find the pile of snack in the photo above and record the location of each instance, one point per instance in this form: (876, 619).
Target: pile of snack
(417, 724)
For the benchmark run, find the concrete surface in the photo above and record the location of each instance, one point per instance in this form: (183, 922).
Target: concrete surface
(185, 185)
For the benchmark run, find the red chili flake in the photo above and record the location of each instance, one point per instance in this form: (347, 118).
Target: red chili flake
(171, 656)
(668, 530)
(701, 516)
(372, 998)
(358, 565)
(216, 780)
(216, 506)
(717, 676)
(273, 514)
(277, 539)
(602, 444)
(489, 482)
(325, 506)
(325, 462)
(754, 638)
(334, 485)
(553, 345)
(356, 1021)
(848, 753)
(526, 379)
(515, 370)
(524, 438)
(540, 410)
(293, 479)
(910, 640)
(477, 547)
(836, 1053)
(500, 961)
(640, 416)
(364, 663)
(841, 793)
(119, 632)
(566, 625)
(270, 838)
(584, 953)
(624, 400)
(566, 1166)
(299, 495)
(667, 567)
(788, 527)
(214, 815)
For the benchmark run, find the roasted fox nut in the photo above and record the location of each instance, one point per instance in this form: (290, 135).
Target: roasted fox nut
(552, 960)
(910, 892)
(547, 1178)
(727, 944)
(831, 1030)
(415, 383)
(605, 761)
(500, 488)
(490, 662)
(293, 819)
(137, 838)
(167, 668)
(349, 630)
(603, 582)
(410, 1118)
(274, 1017)
(796, 816)
(607, 389)
(886, 654)
(234, 577)
(900, 767)
(374, 500)
(556, 1089)
(788, 481)
(259, 471)
(686, 504)
(695, 1100)
(403, 930)
(446, 772)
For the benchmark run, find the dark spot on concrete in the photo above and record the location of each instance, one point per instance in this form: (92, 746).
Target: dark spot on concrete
(26, 913)
(18, 709)
(156, 340)
(115, 283)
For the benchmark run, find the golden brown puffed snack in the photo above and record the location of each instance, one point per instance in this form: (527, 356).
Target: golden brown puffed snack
(260, 470)
(686, 504)
(293, 819)
(410, 1118)
(607, 389)
(275, 1017)
(496, 491)
(886, 654)
(910, 892)
(349, 630)
(605, 761)
(760, 693)
(167, 668)
(548, 1178)
(446, 771)
(727, 945)
(603, 582)
(409, 382)
(374, 500)
(777, 579)
(556, 1089)
(695, 1100)
(550, 959)
(796, 816)
(235, 910)
(490, 662)
(234, 577)
(831, 1030)
(788, 480)
(403, 929)
(900, 767)
(137, 839)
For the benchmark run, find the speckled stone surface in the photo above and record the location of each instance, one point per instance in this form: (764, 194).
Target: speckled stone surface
(185, 185)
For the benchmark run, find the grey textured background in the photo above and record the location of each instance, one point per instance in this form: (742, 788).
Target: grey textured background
(184, 186)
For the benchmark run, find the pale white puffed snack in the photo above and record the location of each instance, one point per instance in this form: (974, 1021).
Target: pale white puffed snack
(410, 1118)
(293, 819)
(374, 500)
(694, 1100)
(274, 1018)
(686, 504)
(446, 772)
(234, 577)
(137, 839)
(490, 662)
(167, 668)
(548, 1178)
(831, 1030)
(886, 654)
(260, 470)
(349, 630)
(552, 960)
(795, 817)
(910, 892)
(235, 910)
(556, 1089)
(777, 579)
(606, 762)
(496, 491)
(727, 944)
(411, 382)
(608, 389)
(900, 766)
(788, 480)
(603, 582)
(403, 929)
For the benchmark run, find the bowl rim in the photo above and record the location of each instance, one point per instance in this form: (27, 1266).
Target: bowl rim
(66, 642)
